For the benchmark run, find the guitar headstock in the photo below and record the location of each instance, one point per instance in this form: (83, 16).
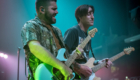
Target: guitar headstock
(129, 50)
(92, 32)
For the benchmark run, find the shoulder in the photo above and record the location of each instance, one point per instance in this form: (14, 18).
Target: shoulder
(57, 29)
(73, 29)
(30, 24)
(71, 32)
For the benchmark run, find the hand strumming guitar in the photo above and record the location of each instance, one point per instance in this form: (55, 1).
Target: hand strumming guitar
(82, 70)
(108, 62)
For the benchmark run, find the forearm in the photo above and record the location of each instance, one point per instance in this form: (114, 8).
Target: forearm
(45, 56)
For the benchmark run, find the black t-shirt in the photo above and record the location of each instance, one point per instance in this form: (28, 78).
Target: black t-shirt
(74, 37)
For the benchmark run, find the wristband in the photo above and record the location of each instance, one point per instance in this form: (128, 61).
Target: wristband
(77, 51)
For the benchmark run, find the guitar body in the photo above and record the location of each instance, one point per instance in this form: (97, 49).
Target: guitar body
(89, 63)
(44, 72)
(47, 72)
(99, 66)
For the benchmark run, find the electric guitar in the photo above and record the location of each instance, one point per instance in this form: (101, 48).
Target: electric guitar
(99, 66)
(47, 72)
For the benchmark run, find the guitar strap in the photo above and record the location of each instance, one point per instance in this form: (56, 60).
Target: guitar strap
(92, 51)
(57, 36)
(61, 43)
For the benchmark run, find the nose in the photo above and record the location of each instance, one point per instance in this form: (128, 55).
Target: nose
(92, 16)
(56, 11)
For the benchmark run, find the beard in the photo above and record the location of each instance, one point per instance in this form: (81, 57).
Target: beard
(49, 18)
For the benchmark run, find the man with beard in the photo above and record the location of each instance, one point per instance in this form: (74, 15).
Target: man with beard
(74, 37)
(41, 41)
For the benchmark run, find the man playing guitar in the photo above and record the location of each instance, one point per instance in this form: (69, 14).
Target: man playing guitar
(42, 41)
(75, 35)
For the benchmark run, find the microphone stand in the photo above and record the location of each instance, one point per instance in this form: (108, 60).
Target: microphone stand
(25, 69)
(18, 53)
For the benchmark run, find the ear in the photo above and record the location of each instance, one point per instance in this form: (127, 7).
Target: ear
(42, 9)
(79, 17)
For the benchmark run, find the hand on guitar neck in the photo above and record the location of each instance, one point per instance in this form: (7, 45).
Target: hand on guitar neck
(79, 51)
(108, 62)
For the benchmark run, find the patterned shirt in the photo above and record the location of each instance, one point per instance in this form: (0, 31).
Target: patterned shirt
(35, 30)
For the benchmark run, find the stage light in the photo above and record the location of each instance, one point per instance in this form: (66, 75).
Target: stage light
(1, 55)
(5, 56)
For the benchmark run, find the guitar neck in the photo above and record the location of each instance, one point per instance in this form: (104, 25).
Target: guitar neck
(83, 44)
(72, 57)
(99, 66)
(117, 56)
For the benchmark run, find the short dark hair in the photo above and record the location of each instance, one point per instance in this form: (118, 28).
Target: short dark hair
(39, 3)
(82, 11)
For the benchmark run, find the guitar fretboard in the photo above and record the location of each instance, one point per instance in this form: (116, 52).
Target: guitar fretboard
(74, 55)
(99, 66)
(85, 42)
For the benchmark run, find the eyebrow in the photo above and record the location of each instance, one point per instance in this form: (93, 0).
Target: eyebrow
(54, 8)
(90, 11)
